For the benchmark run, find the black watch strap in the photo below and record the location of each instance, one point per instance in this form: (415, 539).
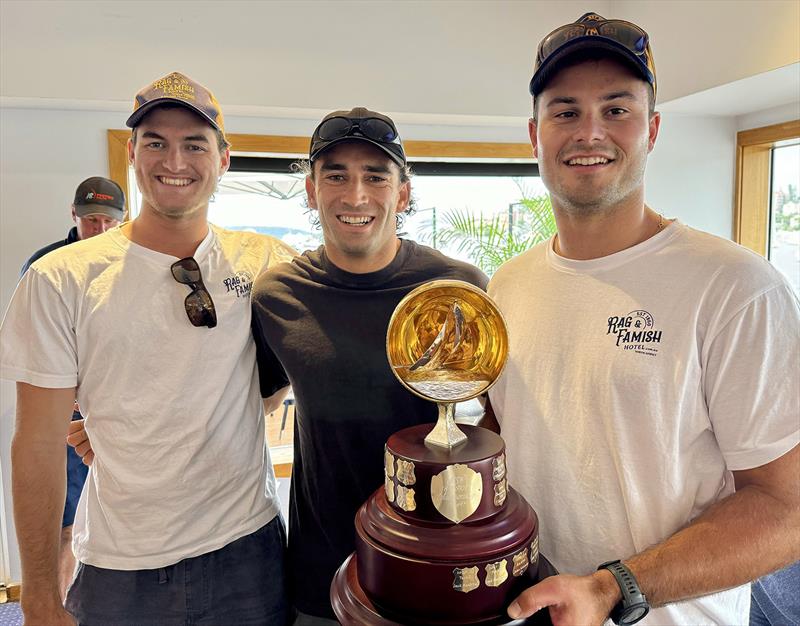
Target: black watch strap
(633, 605)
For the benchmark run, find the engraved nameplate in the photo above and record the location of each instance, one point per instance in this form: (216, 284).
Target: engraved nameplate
(405, 498)
(389, 487)
(388, 462)
(499, 467)
(519, 562)
(500, 492)
(405, 472)
(496, 573)
(456, 492)
(465, 579)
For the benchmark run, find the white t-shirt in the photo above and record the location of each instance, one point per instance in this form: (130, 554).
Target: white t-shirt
(635, 384)
(173, 411)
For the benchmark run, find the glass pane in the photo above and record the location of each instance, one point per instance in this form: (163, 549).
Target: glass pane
(268, 203)
(784, 237)
(481, 219)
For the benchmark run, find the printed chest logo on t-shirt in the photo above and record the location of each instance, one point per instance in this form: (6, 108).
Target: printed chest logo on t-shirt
(635, 331)
(241, 283)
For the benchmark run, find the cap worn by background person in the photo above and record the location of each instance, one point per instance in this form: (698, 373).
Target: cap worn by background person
(358, 124)
(99, 196)
(177, 89)
(593, 32)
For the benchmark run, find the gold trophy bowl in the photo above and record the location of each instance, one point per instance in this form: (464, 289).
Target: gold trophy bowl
(447, 342)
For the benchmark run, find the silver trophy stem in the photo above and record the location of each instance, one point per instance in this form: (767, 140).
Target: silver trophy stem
(446, 433)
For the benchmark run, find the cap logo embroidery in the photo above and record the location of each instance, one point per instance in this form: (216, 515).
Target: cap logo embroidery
(175, 86)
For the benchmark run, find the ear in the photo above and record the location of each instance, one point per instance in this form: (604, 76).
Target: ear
(74, 216)
(405, 197)
(311, 192)
(225, 161)
(532, 135)
(655, 125)
(130, 151)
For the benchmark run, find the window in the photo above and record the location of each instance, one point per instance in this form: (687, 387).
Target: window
(766, 213)
(784, 215)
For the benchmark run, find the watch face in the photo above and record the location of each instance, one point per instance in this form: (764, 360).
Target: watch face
(634, 613)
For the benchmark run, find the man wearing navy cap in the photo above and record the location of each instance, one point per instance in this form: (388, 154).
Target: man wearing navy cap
(178, 522)
(649, 405)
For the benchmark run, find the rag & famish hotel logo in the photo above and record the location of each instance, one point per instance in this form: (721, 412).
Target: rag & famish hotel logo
(635, 331)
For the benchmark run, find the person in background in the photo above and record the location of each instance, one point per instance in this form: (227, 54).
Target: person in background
(649, 403)
(99, 205)
(149, 325)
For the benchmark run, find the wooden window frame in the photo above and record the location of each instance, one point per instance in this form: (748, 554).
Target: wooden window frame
(753, 180)
(255, 145)
(270, 145)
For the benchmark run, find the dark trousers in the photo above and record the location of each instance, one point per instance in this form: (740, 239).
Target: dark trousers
(240, 584)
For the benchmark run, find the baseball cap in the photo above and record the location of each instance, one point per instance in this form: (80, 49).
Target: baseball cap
(592, 31)
(99, 196)
(178, 89)
(358, 124)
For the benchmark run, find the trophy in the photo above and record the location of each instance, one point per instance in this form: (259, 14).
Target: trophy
(445, 540)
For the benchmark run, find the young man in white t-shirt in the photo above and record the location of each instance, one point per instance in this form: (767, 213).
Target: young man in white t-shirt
(649, 404)
(179, 518)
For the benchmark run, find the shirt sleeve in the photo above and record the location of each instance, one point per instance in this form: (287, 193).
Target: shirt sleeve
(37, 336)
(750, 380)
(279, 252)
(271, 375)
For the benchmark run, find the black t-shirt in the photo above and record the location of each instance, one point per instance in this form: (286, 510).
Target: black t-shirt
(324, 331)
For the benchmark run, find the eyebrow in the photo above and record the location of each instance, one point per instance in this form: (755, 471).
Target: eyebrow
(614, 95)
(374, 169)
(154, 135)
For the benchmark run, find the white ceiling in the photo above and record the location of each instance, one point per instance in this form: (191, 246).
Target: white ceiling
(763, 91)
(433, 58)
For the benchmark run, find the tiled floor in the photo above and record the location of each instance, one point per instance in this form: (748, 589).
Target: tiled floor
(10, 614)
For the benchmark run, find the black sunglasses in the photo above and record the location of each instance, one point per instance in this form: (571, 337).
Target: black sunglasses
(624, 33)
(198, 304)
(370, 127)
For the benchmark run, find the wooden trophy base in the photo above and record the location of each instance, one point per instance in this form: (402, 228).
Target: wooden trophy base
(353, 607)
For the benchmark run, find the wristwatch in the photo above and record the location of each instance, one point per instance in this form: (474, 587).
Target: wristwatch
(633, 605)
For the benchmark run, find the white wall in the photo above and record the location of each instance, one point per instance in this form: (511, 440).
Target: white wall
(691, 171)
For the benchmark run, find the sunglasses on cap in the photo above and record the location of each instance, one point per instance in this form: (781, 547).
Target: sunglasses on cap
(360, 124)
(198, 304)
(370, 127)
(624, 33)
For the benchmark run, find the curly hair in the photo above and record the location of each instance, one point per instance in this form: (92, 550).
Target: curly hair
(306, 168)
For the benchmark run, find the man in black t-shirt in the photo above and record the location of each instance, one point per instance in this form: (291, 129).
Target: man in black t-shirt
(320, 324)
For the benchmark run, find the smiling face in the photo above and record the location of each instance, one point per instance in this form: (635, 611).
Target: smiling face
(592, 135)
(357, 192)
(177, 163)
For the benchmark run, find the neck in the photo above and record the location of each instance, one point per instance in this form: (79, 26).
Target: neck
(363, 264)
(176, 237)
(595, 235)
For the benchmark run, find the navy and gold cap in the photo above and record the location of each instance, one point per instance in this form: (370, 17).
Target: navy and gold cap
(592, 31)
(179, 89)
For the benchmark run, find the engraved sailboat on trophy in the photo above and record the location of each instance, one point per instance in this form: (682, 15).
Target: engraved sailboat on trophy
(445, 541)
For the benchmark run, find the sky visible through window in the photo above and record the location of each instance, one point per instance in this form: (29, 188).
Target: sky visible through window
(784, 239)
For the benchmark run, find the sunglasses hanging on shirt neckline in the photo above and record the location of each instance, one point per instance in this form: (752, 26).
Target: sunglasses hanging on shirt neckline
(198, 304)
